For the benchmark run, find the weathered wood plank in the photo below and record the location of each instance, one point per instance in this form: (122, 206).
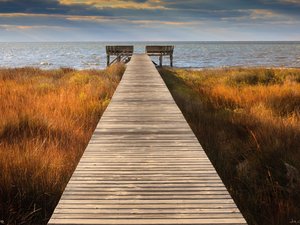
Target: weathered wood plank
(150, 210)
(160, 207)
(141, 221)
(144, 165)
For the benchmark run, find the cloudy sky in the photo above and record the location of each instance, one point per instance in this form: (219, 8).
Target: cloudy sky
(149, 20)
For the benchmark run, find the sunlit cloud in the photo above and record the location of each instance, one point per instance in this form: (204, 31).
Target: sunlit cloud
(103, 19)
(23, 27)
(263, 14)
(142, 19)
(122, 4)
(155, 23)
(97, 19)
(297, 2)
(14, 15)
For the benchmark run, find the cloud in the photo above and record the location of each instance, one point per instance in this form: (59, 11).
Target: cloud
(140, 18)
(262, 14)
(158, 22)
(296, 2)
(120, 4)
(171, 9)
(24, 27)
(142, 22)
(14, 15)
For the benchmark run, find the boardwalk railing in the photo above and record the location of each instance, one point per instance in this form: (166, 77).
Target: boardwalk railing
(122, 53)
(161, 51)
(143, 164)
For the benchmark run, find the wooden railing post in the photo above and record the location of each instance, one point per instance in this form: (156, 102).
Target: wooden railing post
(171, 60)
(107, 60)
(160, 60)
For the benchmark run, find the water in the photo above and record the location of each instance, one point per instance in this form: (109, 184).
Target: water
(86, 55)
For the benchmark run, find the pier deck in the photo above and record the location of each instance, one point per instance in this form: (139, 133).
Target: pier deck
(144, 165)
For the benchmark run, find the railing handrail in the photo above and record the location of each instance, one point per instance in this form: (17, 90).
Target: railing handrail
(117, 49)
(160, 49)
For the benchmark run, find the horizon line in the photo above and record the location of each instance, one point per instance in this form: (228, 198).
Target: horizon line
(138, 41)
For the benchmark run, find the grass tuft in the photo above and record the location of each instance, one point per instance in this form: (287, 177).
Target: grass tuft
(47, 118)
(256, 77)
(248, 122)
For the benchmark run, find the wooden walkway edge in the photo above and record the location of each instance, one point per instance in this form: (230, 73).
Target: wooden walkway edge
(144, 165)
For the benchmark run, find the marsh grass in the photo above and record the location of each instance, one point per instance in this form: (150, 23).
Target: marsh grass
(46, 120)
(248, 122)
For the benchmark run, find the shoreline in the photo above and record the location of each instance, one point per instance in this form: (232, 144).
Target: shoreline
(233, 67)
(168, 67)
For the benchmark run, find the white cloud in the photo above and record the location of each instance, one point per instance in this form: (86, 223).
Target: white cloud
(122, 4)
(26, 27)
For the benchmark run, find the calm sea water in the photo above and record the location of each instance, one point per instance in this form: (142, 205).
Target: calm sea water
(84, 55)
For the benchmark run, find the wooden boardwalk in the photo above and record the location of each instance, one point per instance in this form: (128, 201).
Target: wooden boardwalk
(144, 165)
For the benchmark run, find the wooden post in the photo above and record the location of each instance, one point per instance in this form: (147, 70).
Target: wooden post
(160, 60)
(171, 60)
(108, 59)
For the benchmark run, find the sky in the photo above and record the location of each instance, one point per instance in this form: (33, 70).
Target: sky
(149, 20)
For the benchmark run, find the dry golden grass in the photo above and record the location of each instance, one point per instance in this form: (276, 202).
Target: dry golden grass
(248, 121)
(47, 119)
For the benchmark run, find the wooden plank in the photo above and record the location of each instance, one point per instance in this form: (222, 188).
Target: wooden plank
(144, 165)
(148, 216)
(170, 210)
(160, 207)
(141, 221)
